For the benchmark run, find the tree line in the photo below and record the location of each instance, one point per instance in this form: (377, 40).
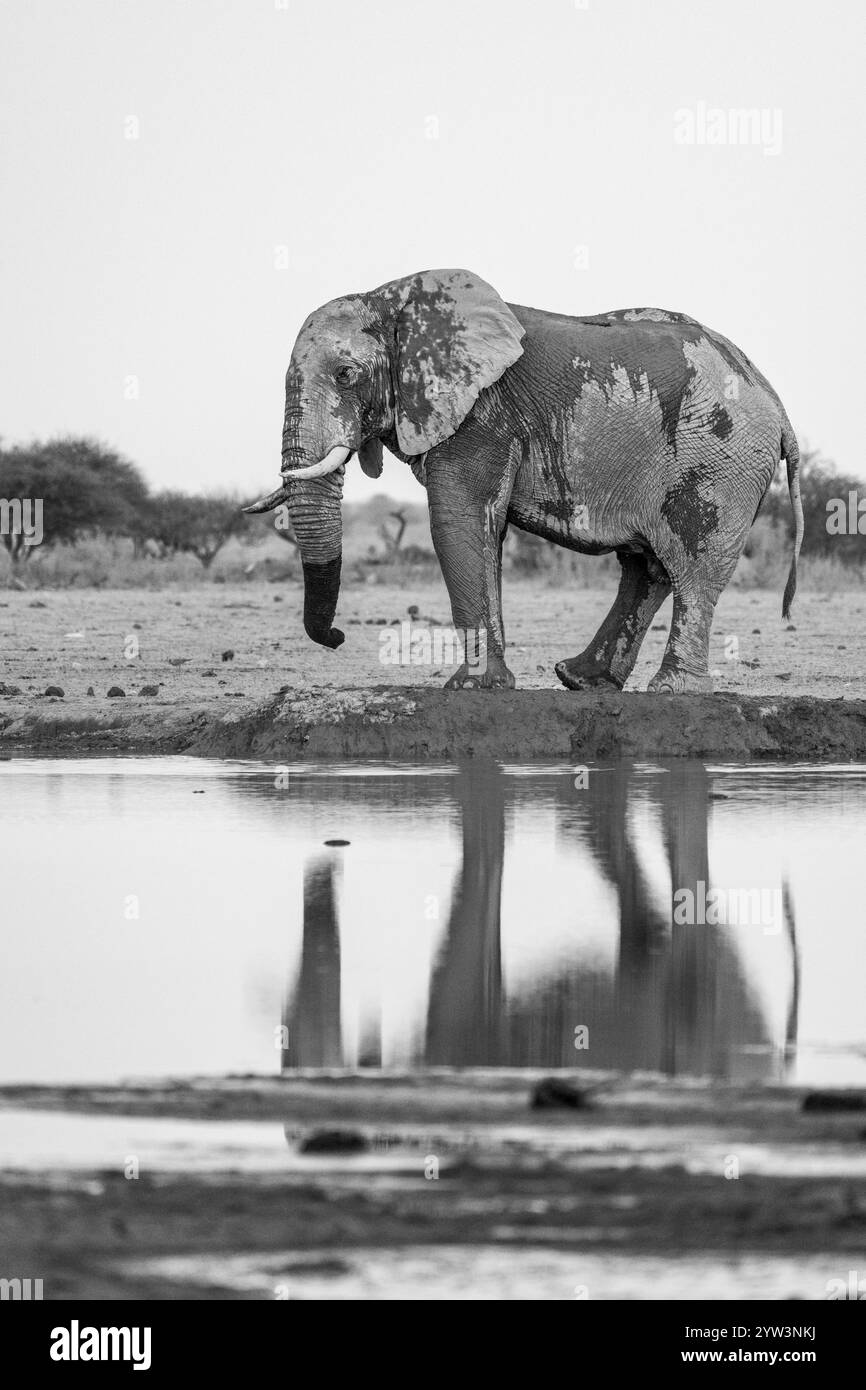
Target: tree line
(87, 489)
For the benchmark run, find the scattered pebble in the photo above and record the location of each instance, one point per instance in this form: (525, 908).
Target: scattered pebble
(10, 689)
(178, 660)
(553, 1093)
(37, 603)
(333, 1141)
(834, 1100)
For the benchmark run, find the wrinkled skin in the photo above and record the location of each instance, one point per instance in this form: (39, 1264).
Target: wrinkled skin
(637, 431)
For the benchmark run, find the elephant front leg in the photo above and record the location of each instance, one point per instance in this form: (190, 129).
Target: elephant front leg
(468, 537)
(610, 657)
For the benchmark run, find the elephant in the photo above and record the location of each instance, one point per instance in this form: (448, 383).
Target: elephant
(638, 432)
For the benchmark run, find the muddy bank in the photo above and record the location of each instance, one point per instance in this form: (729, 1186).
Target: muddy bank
(421, 724)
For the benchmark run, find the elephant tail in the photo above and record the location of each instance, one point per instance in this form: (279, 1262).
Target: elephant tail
(791, 455)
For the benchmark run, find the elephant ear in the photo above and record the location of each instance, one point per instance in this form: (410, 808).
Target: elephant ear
(455, 336)
(370, 456)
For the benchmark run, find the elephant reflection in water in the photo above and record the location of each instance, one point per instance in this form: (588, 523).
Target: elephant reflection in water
(677, 1000)
(311, 1014)
(466, 1014)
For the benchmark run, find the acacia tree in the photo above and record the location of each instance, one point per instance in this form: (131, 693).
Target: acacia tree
(199, 526)
(82, 487)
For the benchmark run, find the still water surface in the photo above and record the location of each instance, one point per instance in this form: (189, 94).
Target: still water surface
(174, 916)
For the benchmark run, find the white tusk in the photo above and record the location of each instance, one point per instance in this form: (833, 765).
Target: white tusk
(334, 459)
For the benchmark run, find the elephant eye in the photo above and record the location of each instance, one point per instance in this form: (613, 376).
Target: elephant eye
(345, 375)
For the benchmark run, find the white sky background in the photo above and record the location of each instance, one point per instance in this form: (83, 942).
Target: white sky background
(307, 127)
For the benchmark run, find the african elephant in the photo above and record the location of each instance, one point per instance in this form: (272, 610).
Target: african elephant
(638, 431)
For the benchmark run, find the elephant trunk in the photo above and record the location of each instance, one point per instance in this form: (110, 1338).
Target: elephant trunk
(314, 508)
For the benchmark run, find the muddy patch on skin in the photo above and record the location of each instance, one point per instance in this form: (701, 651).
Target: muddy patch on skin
(690, 515)
(721, 423)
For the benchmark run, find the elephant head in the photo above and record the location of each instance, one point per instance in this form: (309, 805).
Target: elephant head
(404, 365)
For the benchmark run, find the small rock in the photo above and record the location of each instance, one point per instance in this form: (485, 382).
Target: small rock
(149, 690)
(208, 673)
(756, 632)
(284, 690)
(228, 655)
(333, 1141)
(553, 1093)
(827, 1101)
(37, 603)
(90, 690)
(337, 843)
(56, 690)
(115, 693)
(178, 660)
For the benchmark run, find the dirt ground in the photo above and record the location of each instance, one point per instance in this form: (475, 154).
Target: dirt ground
(176, 640)
(215, 661)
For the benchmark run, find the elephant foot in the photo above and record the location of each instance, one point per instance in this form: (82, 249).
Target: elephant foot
(579, 674)
(495, 676)
(671, 681)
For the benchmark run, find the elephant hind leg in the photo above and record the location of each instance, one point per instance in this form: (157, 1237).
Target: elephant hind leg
(610, 657)
(684, 669)
(697, 584)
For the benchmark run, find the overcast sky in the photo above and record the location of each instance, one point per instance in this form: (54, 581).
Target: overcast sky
(184, 180)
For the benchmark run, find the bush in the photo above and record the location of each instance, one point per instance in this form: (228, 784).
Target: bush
(83, 488)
